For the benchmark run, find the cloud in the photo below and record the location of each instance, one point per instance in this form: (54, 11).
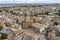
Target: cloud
(29, 1)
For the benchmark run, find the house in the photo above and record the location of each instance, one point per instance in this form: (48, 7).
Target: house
(39, 27)
(8, 24)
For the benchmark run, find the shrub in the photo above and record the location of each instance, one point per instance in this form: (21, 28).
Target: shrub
(1, 27)
(4, 36)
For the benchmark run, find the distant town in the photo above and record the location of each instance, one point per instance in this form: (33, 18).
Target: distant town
(40, 22)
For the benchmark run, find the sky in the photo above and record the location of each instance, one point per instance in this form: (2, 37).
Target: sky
(29, 1)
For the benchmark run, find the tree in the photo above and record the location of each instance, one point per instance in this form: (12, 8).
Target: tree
(4, 36)
(35, 14)
(47, 13)
(55, 23)
(17, 20)
(57, 14)
(25, 14)
(1, 27)
(59, 11)
(11, 11)
(14, 13)
(0, 10)
(6, 10)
